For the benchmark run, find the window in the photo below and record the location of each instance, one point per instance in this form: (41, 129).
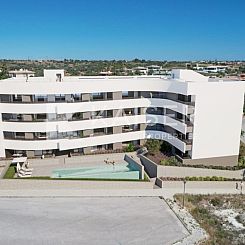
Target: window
(60, 97)
(127, 94)
(58, 77)
(109, 96)
(97, 96)
(110, 113)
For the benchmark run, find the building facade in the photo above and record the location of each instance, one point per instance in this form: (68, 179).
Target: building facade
(55, 114)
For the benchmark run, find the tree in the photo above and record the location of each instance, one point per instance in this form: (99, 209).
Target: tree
(153, 146)
(3, 72)
(166, 147)
(242, 149)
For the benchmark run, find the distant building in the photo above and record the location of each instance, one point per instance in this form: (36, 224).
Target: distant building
(242, 77)
(105, 73)
(212, 69)
(21, 73)
(140, 70)
(155, 70)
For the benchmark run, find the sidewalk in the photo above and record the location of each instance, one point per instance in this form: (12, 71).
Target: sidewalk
(172, 171)
(43, 188)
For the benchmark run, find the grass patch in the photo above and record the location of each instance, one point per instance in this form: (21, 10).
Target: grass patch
(10, 173)
(146, 177)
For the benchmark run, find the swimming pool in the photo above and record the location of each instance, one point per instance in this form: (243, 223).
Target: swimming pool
(118, 171)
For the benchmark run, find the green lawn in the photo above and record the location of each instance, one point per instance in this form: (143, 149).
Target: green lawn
(10, 173)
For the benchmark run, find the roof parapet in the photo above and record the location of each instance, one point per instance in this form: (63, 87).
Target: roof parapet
(188, 76)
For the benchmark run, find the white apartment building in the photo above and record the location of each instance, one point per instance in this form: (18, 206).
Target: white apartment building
(21, 73)
(213, 69)
(56, 114)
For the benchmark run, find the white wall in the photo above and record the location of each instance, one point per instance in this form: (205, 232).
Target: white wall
(51, 75)
(188, 75)
(218, 119)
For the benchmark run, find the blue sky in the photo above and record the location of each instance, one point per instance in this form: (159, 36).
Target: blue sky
(122, 29)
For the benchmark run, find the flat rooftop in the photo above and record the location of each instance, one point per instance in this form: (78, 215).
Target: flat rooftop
(81, 78)
(57, 76)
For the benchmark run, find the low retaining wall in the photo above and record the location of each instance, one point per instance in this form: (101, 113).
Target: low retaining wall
(159, 182)
(172, 171)
(215, 161)
(67, 187)
(154, 170)
(150, 167)
(136, 165)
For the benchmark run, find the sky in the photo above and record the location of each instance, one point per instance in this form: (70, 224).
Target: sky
(122, 29)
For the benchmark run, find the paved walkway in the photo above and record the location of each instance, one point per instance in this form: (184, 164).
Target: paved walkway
(172, 171)
(43, 188)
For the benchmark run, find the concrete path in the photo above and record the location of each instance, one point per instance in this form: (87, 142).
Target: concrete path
(172, 171)
(43, 188)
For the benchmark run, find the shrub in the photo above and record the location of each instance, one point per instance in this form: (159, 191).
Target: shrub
(165, 147)
(215, 201)
(242, 149)
(130, 148)
(171, 161)
(164, 162)
(214, 178)
(153, 146)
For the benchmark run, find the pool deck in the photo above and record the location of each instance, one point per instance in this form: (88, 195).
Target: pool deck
(44, 167)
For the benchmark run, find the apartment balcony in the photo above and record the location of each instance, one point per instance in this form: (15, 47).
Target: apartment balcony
(190, 109)
(188, 143)
(183, 158)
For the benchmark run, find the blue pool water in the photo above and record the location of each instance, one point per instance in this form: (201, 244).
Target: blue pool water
(118, 171)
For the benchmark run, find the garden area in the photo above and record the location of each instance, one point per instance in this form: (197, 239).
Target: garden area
(160, 153)
(222, 216)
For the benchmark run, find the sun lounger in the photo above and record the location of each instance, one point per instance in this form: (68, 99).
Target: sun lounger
(28, 170)
(23, 176)
(22, 172)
